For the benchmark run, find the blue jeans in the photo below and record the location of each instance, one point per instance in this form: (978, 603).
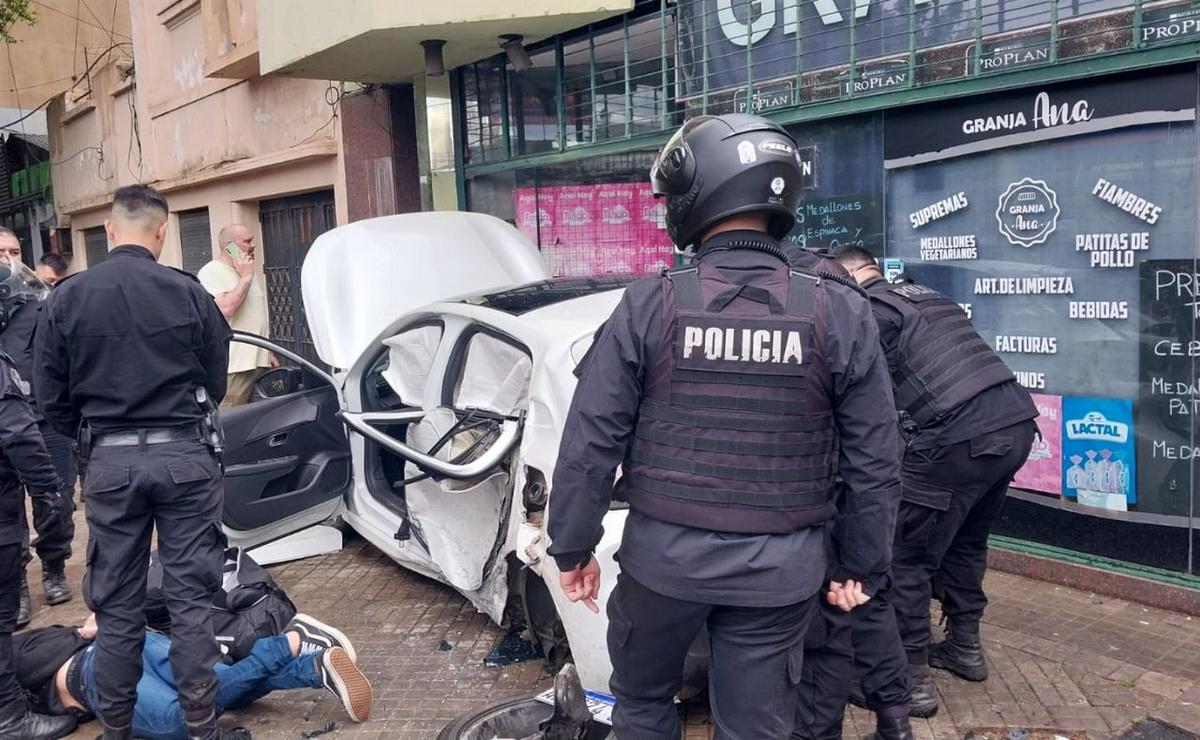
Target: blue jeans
(157, 714)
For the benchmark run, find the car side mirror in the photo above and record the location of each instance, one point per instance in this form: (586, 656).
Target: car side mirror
(281, 381)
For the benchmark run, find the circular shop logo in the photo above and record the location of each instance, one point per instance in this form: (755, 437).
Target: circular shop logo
(1028, 212)
(777, 185)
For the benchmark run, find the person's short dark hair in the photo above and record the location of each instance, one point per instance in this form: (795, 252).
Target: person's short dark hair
(55, 262)
(140, 203)
(852, 257)
(5, 231)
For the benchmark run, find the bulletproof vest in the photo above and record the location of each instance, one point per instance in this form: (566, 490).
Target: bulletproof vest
(943, 360)
(735, 430)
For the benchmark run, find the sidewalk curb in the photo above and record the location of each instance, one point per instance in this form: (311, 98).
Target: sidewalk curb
(1119, 585)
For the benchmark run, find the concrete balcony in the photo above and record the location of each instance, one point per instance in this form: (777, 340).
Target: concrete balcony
(367, 41)
(230, 39)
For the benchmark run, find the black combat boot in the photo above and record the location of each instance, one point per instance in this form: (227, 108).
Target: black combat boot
(54, 582)
(19, 722)
(961, 652)
(25, 608)
(892, 728)
(924, 700)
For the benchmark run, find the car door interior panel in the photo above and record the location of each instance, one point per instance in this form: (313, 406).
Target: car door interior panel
(284, 455)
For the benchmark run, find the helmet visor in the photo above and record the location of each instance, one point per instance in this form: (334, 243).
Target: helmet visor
(672, 160)
(20, 284)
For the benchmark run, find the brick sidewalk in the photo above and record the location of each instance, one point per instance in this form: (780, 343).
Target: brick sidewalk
(1061, 659)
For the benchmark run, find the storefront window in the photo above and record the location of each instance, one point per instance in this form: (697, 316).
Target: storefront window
(577, 87)
(533, 105)
(590, 217)
(1073, 249)
(628, 63)
(483, 117)
(843, 205)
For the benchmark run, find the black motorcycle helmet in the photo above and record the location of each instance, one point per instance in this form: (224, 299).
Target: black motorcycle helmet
(18, 285)
(715, 167)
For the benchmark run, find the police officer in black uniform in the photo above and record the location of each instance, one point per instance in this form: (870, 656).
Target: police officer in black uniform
(20, 306)
(122, 350)
(857, 651)
(969, 428)
(22, 458)
(730, 392)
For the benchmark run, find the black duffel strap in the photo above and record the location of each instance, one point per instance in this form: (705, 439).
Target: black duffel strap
(749, 474)
(686, 282)
(730, 496)
(733, 444)
(707, 419)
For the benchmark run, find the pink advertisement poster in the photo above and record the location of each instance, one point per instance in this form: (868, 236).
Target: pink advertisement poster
(584, 230)
(1043, 471)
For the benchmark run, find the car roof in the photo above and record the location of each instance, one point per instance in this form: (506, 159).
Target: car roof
(546, 293)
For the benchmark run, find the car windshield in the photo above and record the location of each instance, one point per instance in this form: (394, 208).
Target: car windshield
(547, 293)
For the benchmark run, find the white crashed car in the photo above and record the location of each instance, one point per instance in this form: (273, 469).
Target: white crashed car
(457, 354)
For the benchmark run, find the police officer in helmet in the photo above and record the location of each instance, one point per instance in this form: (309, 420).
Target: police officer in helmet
(21, 296)
(23, 463)
(969, 428)
(127, 350)
(730, 392)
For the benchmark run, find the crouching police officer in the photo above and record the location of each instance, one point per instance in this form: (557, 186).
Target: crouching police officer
(730, 392)
(122, 350)
(22, 458)
(970, 428)
(21, 295)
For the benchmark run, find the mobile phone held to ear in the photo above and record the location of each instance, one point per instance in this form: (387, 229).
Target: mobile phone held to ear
(231, 249)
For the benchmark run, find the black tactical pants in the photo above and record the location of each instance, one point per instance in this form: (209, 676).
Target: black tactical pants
(754, 669)
(827, 675)
(175, 487)
(12, 698)
(54, 545)
(840, 648)
(951, 497)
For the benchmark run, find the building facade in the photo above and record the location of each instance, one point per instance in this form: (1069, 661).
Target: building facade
(183, 107)
(1037, 161)
(27, 196)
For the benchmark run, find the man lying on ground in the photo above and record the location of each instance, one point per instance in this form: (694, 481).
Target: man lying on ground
(56, 666)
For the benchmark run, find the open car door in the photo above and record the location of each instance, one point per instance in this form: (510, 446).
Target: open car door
(448, 440)
(287, 458)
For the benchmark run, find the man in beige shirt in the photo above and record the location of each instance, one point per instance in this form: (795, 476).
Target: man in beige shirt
(242, 298)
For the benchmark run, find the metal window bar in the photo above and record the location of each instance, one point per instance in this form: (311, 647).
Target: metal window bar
(592, 82)
(853, 76)
(912, 43)
(628, 87)
(1053, 31)
(505, 133)
(704, 64)
(662, 29)
(560, 93)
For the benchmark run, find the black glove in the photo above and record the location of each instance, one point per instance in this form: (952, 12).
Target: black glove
(48, 510)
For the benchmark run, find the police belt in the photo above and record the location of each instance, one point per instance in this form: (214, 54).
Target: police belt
(134, 437)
